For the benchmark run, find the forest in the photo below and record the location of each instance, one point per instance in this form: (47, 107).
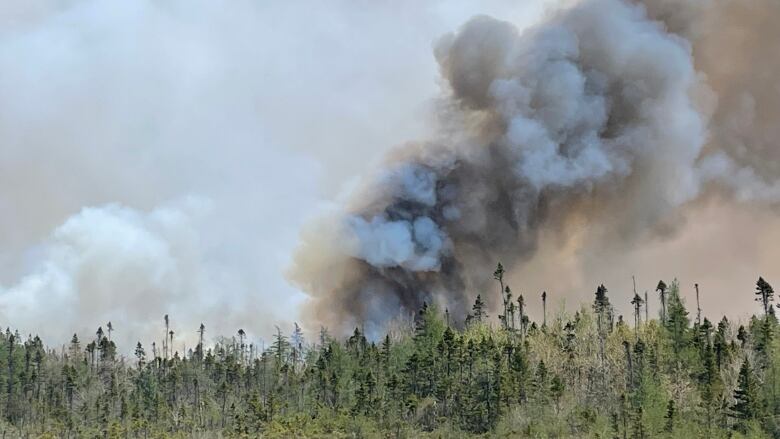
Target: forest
(590, 374)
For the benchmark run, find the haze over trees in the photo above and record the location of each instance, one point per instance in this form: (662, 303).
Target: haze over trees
(586, 374)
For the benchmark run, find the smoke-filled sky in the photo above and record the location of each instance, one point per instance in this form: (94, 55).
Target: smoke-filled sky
(162, 157)
(179, 157)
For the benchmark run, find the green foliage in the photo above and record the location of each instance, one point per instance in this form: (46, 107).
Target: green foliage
(747, 405)
(677, 322)
(579, 376)
(765, 294)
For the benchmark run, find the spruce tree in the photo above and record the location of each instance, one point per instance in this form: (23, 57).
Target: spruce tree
(747, 406)
(478, 309)
(637, 301)
(140, 355)
(604, 317)
(499, 276)
(430, 380)
(765, 294)
(523, 319)
(557, 388)
(670, 415)
(677, 322)
(661, 288)
(603, 309)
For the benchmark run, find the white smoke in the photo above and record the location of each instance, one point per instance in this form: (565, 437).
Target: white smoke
(116, 116)
(414, 245)
(146, 260)
(161, 157)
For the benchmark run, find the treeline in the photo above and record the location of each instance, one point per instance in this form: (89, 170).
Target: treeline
(590, 374)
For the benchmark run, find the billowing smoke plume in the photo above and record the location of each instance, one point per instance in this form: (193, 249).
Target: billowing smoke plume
(735, 49)
(597, 118)
(160, 157)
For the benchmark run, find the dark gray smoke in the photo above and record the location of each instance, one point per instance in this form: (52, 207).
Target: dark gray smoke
(595, 115)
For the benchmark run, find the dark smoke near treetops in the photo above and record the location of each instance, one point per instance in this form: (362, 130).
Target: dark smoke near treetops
(602, 114)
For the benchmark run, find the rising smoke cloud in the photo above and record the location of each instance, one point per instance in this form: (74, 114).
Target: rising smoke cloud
(160, 157)
(600, 118)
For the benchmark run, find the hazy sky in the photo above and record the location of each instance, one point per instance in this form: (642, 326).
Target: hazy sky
(161, 157)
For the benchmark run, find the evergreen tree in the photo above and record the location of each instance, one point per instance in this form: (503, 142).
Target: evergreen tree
(498, 275)
(677, 322)
(434, 379)
(604, 317)
(140, 355)
(557, 388)
(661, 288)
(637, 302)
(523, 319)
(670, 414)
(603, 309)
(747, 405)
(720, 343)
(765, 294)
(710, 384)
(478, 310)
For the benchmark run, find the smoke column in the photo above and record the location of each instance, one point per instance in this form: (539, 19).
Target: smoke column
(162, 158)
(598, 118)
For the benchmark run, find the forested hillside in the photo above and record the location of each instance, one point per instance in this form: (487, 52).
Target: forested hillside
(588, 374)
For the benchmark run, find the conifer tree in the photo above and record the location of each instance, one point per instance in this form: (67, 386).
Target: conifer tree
(165, 336)
(661, 288)
(74, 349)
(710, 383)
(521, 314)
(199, 348)
(512, 309)
(557, 388)
(499, 276)
(140, 355)
(478, 310)
(604, 313)
(670, 414)
(281, 346)
(765, 294)
(603, 309)
(297, 341)
(747, 406)
(637, 302)
(541, 383)
(720, 343)
(432, 379)
(677, 322)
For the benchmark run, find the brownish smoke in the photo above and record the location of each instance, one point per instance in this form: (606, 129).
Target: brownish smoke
(569, 151)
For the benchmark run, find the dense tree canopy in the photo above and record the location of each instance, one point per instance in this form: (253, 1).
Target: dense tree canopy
(580, 375)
